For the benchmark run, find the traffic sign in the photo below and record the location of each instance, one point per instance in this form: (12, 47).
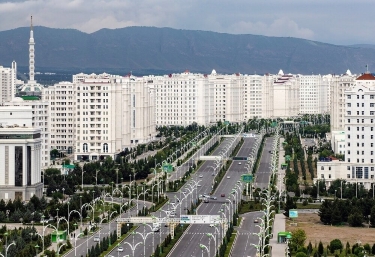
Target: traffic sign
(293, 214)
(68, 166)
(247, 178)
(167, 168)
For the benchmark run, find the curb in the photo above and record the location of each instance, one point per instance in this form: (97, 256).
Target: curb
(178, 241)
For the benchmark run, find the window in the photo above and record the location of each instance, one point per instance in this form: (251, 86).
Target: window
(348, 167)
(321, 175)
(347, 175)
(349, 97)
(329, 175)
(322, 168)
(329, 168)
(371, 96)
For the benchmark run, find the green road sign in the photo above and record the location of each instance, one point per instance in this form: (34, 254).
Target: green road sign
(247, 178)
(68, 166)
(226, 122)
(167, 168)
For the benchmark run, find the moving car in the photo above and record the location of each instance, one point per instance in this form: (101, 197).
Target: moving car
(156, 229)
(213, 197)
(205, 200)
(239, 163)
(256, 220)
(228, 176)
(120, 249)
(96, 239)
(201, 176)
(222, 195)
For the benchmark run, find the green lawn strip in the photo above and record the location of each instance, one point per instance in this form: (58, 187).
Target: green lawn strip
(159, 205)
(230, 243)
(114, 244)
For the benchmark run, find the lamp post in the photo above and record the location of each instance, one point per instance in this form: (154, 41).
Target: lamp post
(203, 247)
(211, 236)
(6, 250)
(82, 178)
(36, 249)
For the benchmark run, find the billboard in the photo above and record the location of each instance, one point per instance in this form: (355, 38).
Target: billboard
(200, 219)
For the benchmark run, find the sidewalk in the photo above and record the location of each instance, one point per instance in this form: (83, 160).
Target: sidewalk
(278, 249)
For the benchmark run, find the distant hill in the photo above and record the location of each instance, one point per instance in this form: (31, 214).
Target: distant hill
(164, 50)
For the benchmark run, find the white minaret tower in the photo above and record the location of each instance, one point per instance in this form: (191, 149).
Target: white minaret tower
(31, 53)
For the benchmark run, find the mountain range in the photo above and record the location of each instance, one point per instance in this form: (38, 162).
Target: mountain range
(151, 50)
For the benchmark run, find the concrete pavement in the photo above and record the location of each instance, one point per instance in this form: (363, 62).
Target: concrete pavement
(278, 249)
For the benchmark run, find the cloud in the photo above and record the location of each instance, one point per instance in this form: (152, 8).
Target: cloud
(283, 27)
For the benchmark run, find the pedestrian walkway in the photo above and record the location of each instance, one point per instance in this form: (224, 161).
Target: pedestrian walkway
(278, 249)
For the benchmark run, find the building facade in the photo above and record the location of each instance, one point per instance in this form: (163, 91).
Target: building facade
(20, 154)
(357, 102)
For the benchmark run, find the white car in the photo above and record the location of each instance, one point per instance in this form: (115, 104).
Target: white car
(156, 229)
(239, 163)
(96, 239)
(228, 176)
(201, 176)
(120, 249)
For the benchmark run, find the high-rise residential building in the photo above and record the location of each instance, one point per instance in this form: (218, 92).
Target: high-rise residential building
(286, 96)
(7, 83)
(100, 115)
(61, 99)
(20, 154)
(357, 107)
(314, 94)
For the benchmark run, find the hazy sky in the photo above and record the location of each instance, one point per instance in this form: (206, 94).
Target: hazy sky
(340, 22)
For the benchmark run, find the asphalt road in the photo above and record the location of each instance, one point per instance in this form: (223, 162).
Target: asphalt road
(263, 173)
(82, 244)
(245, 235)
(152, 239)
(244, 245)
(195, 235)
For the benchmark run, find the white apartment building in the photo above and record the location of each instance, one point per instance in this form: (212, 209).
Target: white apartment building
(8, 82)
(181, 99)
(358, 110)
(61, 119)
(100, 115)
(20, 154)
(286, 100)
(314, 94)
